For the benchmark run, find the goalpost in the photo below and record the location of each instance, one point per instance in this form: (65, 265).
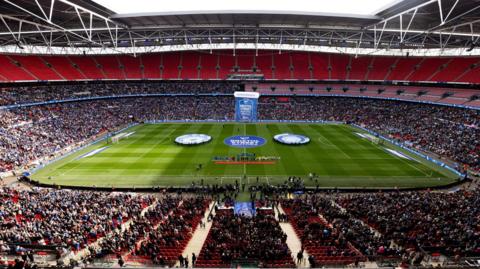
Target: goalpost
(116, 138)
(377, 140)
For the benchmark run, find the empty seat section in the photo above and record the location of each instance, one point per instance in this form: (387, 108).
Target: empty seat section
(472, 76)
(454, 69)
(131, 66)
(300, 64)
(171, 61)
(359, 67)
(190, 61)
(427, 68)
(282, 66)
(87, 66)
(226, 62)
(264, 64)
(11, 72)
(245, 61)
(380, 67)
(475, 103)
(151, 65)
(64, 67)
(339, 65)
(320, 65)
(37, 67)
(110, 66)
(403, 68)
(208, 64)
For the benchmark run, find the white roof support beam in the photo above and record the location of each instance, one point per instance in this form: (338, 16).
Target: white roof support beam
(50, 15)
(409, 24)
(43, 12)
(19, 32)
(453, 33)
(440, 11)
(406, 34)
(450, 12)
(78, 10)
(403, 12)
(91, 12)
(9, 29)
(377, 41)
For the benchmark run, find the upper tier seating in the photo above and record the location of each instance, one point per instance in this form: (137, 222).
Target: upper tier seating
(408, 93)
(284, 65)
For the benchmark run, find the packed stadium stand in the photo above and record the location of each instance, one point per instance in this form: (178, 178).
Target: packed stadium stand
(236, 137)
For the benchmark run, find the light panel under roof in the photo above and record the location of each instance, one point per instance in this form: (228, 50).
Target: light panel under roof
(351, 7)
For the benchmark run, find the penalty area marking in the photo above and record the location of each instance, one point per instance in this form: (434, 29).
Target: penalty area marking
(399, 154)
(91, 153)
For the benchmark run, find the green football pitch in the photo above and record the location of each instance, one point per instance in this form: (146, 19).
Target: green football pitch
(150, 157)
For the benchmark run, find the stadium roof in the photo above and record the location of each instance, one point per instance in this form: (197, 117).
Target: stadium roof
(354, 7)
(427, 27)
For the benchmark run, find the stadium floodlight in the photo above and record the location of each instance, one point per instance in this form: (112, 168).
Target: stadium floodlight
(352, 7)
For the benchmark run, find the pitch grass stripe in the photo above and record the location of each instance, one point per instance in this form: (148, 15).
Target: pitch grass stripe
(259, 151)
(398, 158)
(352, 138)
(218, 149)
(325, 136)
(288, 165)
(428, 168)
(156, 140)
(355, 166)
(312, 150)
(339, 169)
(232, 170)
(419, 168)
(185, 152)
(280, 168)
(244, 151)
(198, 156)
(154, 167)
(292, 162)
(362, 163)
(130, 146)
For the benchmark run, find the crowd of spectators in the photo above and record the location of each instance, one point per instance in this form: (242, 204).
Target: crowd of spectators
(438, 222)
(446, 131)
(333, 228)
(120, 243)
(236, 238)
(360, 235)
(324, 243)
(166, 242)
(33, 94)
(65, 218)
(31, 133)
(154, 228)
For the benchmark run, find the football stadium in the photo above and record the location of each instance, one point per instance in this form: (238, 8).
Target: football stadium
(239, 134)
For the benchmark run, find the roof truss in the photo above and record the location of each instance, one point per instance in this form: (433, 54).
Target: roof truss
(43, 24)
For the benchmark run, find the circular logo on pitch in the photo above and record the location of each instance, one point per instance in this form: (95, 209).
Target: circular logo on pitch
(193, 139)
(291, 139)
(245, 141)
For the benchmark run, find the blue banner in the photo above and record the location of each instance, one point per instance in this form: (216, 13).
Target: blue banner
(244, 209)
(246, 106)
